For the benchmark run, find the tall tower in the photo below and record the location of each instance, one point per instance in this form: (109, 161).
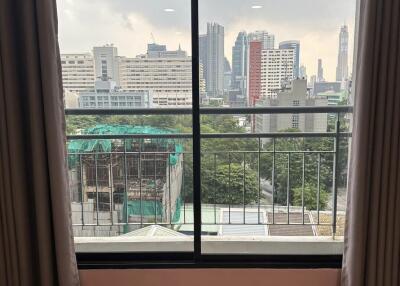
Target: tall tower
(320, 74)
(295, 45)
(203, 55)
(303, 72)
(215, 60)
(254, 71)
(239, 62)
(267, 39)
(342, 69)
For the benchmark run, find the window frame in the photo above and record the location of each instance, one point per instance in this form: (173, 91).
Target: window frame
(195, 258)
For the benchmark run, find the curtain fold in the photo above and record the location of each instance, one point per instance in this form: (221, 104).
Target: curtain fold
(372, 237)
(36, 243)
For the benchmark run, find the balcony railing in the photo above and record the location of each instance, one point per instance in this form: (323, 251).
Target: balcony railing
(144, 180)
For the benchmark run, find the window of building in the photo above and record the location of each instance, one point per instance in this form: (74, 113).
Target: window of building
(260, 183)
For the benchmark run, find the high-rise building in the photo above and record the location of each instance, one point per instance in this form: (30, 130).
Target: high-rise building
(254, 72)
(167, 75)
(313, 80)
(77, 72)
(227, 75)
(342, 69)
(215, 60)
(303, 72)
(202, 82)
(295, 45)
(276, 70)
(239, 63)
(203, 53)
(267, 39)
(106, 63)
(320, 72)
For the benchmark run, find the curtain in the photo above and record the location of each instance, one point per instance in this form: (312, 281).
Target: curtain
(36, 243)
(372, 238)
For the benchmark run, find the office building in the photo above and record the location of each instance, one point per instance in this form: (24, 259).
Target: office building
(303, 72)
(203, 54)
(267, 39)
(254, 72)
(215, 60)
(342, 69)
(320, 72)
(239, 63)
(295, 45)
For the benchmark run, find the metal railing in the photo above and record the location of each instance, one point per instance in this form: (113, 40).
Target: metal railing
(106, 182)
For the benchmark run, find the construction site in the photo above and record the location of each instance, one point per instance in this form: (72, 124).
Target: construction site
(135, 180)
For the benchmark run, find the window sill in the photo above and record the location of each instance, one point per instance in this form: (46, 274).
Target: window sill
(276, 245)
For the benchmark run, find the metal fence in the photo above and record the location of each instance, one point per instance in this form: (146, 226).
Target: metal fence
(129, 186)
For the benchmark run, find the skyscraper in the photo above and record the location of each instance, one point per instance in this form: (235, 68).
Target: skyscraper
(276, 70)
(239, 62)
(267, 39)
(227, 75)
(303, 72)
(215, 60)
(342, 65)
(320, 72)
(255, 49)
(295, 45)
(203, 54)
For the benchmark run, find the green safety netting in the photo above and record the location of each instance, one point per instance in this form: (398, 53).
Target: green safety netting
(105, 145)
(149, 210)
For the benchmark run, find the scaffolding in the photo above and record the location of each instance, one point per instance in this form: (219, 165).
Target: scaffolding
(133, 173)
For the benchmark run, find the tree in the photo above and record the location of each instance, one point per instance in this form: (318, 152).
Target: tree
(310, 197)
(283, 179)
(229, 184)
(75, 123)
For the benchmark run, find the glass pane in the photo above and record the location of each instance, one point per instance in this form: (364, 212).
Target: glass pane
(131, 182)
(272, 181)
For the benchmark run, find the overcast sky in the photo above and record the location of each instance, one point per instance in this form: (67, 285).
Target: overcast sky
(130, 24)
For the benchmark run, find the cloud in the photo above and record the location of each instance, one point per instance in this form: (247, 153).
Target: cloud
(129, 24)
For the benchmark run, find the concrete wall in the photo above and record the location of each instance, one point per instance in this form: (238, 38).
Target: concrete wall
(211, 277)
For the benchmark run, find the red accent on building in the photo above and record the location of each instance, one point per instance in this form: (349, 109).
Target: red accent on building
(254, 72)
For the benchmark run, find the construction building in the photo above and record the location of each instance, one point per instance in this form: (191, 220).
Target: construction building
(119, 181)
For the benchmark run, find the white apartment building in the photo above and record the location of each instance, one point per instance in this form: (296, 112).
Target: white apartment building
(165, 75)
(276, 70)
(106, 95)
(77, 72)
(169, 79)
(293, 95)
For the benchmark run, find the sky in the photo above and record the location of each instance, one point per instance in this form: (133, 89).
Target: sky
(131, 24)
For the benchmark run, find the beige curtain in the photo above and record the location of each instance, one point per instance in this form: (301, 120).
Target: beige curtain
(36, 243)
(372, 239)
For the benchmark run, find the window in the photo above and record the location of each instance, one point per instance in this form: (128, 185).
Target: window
(269, 173)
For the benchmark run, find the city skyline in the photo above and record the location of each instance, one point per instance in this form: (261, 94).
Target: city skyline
(130, 26)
